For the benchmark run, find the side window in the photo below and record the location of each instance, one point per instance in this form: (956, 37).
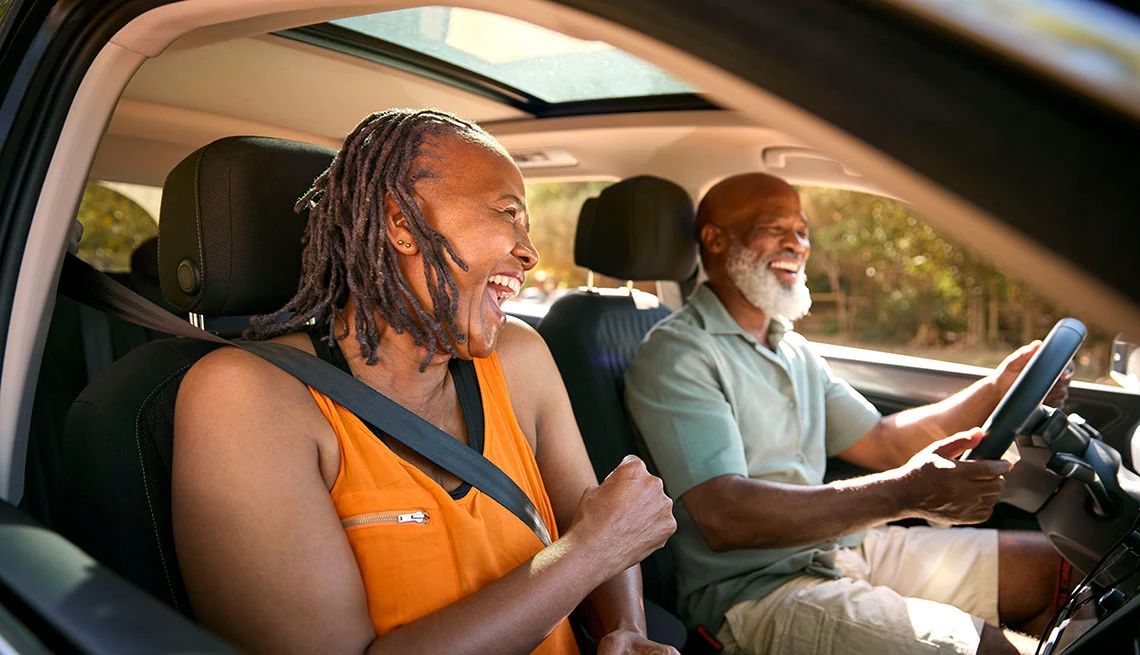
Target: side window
(116, 218)
(553, 209)
(882, 279)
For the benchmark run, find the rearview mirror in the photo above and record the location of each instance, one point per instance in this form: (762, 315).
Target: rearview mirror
(1125, 367)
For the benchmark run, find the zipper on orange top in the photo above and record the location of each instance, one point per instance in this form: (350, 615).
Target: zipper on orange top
(414, 516)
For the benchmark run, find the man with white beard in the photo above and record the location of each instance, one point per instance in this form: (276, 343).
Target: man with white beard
(739, 416)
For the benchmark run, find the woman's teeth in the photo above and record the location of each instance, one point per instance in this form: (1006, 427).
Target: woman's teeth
(507, 287)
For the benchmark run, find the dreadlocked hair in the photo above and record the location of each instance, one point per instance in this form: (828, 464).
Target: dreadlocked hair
(347, 252)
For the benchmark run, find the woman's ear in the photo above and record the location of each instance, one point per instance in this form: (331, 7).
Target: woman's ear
(398, 232)
(714, 238)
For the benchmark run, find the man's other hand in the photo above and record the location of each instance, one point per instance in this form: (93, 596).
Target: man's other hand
(1015, 362)
(941, 488)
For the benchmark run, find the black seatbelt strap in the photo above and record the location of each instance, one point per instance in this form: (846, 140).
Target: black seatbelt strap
(83, 283)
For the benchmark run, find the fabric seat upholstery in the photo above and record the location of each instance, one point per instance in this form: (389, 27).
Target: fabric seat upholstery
(637, 229)
(227, 211)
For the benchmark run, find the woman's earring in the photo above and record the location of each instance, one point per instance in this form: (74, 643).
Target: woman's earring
(401, 242)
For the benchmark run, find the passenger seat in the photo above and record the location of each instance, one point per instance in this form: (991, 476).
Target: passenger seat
(231, 246)
(81, 343)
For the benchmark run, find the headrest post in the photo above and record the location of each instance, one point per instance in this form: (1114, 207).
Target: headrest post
(589, 280)
(629, 286)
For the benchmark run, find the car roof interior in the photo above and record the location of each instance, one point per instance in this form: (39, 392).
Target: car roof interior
(273, 84)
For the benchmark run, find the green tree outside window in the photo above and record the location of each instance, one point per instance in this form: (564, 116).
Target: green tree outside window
(113, 226)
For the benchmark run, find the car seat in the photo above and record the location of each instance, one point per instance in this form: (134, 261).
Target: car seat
(639, 229)
(230, 245)
(81, 343)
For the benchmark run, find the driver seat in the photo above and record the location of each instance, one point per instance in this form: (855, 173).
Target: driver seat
(638, 229)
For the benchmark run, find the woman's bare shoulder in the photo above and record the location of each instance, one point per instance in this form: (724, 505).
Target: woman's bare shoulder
(235, 387)
(230, 370)
(530, 371)
(524, 355)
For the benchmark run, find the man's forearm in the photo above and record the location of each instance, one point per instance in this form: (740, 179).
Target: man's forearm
(786, 515)
(911, 430)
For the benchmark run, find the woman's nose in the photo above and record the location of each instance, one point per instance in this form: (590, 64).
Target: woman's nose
(526, 253)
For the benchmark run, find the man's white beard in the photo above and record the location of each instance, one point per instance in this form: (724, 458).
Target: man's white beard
(757, 282)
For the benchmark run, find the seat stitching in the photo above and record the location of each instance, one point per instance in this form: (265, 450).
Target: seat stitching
(198, 222)
(146, 490)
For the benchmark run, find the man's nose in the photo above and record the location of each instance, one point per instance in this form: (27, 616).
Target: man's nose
(796, 242)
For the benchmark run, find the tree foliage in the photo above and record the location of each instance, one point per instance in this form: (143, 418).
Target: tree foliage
(554, 209)
(113, 226)
(881, 275)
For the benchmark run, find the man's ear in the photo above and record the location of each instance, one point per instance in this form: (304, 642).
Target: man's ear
(398, 232)
(714, 238)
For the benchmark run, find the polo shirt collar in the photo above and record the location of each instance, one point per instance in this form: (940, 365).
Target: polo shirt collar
(717, 320)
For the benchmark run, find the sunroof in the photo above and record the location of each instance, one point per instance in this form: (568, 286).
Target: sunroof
(539, 62)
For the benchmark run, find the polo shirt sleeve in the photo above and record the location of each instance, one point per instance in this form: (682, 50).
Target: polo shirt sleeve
(849, 416)
(674, 398)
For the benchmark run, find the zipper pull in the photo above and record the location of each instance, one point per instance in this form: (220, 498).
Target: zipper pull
(412, 517)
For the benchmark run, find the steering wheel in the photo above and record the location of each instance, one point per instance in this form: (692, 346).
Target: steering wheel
(1030, 388)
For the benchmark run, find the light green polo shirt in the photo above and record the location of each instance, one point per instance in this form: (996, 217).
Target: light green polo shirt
(708, 400)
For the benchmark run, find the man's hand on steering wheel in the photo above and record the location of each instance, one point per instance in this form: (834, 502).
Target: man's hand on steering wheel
(1012, 366)
(939, 487)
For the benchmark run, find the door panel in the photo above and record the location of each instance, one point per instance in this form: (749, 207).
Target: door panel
(74, 604)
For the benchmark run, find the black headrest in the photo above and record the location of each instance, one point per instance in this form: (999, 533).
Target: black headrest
(638, 229)
(144, 260)
(229, 241)
(144, 274)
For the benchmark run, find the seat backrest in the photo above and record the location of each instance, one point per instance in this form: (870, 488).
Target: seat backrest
(81, 342)
(637, 229)
(230, 244)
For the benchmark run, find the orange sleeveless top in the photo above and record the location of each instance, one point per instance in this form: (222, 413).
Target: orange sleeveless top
(418, 548)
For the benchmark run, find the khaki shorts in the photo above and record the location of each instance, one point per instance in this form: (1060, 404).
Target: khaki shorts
(907, 590)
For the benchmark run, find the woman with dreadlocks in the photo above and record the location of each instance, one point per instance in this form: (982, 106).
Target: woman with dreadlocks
(299, 530)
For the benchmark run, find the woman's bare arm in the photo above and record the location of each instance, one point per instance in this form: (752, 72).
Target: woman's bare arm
(265, 558)
(543, 405)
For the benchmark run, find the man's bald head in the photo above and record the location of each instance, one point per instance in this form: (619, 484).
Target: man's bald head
(736, 206)
(754, 244)
(737, 198)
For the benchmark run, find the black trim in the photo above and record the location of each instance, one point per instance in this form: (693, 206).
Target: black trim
(351, 42)
(471, 404)
(634, 104)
